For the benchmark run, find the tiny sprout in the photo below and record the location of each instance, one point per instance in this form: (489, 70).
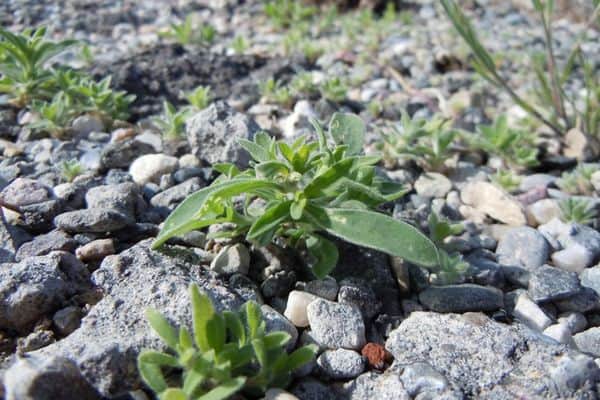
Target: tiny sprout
(334, 89)
(70, 169)
(200, 97)
(171, 122)
(239, 45)
(580, 211)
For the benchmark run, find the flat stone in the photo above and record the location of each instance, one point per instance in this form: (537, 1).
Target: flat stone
(588, 341)
(433, 184)
(44, 244)
(122, 197)
(326, 288)
(23, 192)
(232, 260)
(96, 250)
(543, 211)
(551, 283)
(170, 198)
(523, 247)
(493, 201)
(559, 332)
(527, 311)
(574, 258)
(591, 278)
(360, 294)
(341, 364)
(97, 220)
(336, 325)
(462, 298)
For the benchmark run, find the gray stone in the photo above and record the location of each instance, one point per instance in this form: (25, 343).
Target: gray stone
(462, 298)
(110, 336)
(523, 247)
(40, 378)
(44, 244)
(360, 294)
(336, 325)
(551, 283)
(494, 202)
(583, 301)
(121, 154)
(433, 184)
(312, 389)
(97, 220)
(67, 320)
(341, 364)
(122, 197)
(326, 288)
(543, 211)
(477, 355)
(584, 236)
(277, 322)
(231, 260)
(372, 385)
(421, 377)
(559, 332)
(86, 124)
(573, 372)
(7, 243)
(591, 278)
(213, 134)
(535, 181)
(527, 311)
(95, 250)
(150, 167)
(574, 258)
(170, 198)
(36, 286)
(35, 340)
(576, 321)
(23, 192)
(38, 217)
(588, 341)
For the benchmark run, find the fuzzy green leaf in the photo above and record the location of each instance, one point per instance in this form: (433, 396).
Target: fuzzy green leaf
(325, 252)
(152, 376)
(158, 358)
(348, 129)
(173, 394)
(162, 327)
(225, 389)
(276, 339)
(264, 227)
(202, 313)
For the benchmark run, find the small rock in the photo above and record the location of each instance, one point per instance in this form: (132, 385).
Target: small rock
(433, 184)
(232, 260)
(574, 258)
(559, 332)
(591, 278)
(35, 340)
(95, 250)
(576, 321)
(326, 288)
(121, 154)
(461, 298)
(493, 201)
(336, 325)
(583, 301)
(341, 364)
(67, 320)
(377, 356)
(573, 372)
(98, 220)
(188, 161)
(44, 244)
(535, 181)
(213, 134)
(23, 192)
(278, 394)
(122, 197)
(312, 389)
(588, 341)
(295, 309)
(543, 211)
(421, 377)
(530, 313)
(358, 293)
(150, 167)
(170, 198)
(39, 378)
(523, 247)
(580, 146)
(277, 322)
(86, 124)
(8, 246)
(550, 283)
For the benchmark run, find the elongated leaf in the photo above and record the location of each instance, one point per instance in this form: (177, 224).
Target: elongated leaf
(325, 252)
(224, 390)
(264, 227)
(162, 327)
(348, 129)
(173, 394)
(257, 152)
(376, 231)
(331, 175)
(189, 214)
(202, 312)
(276, 339)
(152, 376)
(260, 351)
(192, 381)
(300, 357)
(216, 333)
(158, 358)
(253, 319)
(235, 326)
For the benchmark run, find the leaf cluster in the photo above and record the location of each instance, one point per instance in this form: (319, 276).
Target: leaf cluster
(297, 192)
(284, 14)
(70, 169)
(578, 181)
(334, 89)
(226, 353)
(186, 32)
(580, 211)
(171, 122)
(429, 143)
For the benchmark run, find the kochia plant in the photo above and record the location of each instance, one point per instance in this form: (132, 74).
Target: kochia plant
(228, 352)
(306, 190)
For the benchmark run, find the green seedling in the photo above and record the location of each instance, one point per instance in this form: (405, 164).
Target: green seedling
(306, 190)
(70, 170)
(507, 180)
(23, 64)
(239, 44)
(275, 92)
(53, 117)
(172, 122)
(579, 211)
(284, 14)
(226, 353)
(199, 98)
(334, 89)
(578, 181)
(303, 85)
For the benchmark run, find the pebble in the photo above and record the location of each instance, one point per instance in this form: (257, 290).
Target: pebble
(326, 288)
(533, 181)
(433, 184)
(150, 167)
(494, 202)
(45, 243)
(358, 293)
(550, 283)
(67, 320)
(574, 371)
(421, 377)
(23, 192)
(543, 211)
(523, 247)
(574, 258)
(86, 124)
(528, 312)
(341, 364)
(95, 250)
(461, 298)
(278, 394)
(188, 161)
(336, 325)
(576, 321)
(588, 341)
(559, 332)
(96, 220)
(295, 309)
(591, 278)
(232, 260)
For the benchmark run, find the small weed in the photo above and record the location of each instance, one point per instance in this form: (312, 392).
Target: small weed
(579, 211)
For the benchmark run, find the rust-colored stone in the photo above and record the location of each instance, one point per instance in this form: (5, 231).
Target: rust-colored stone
(377, 356)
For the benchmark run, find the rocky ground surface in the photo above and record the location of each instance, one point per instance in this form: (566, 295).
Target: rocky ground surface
(76, 271)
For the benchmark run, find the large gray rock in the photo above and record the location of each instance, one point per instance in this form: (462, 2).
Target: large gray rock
(213, 134)
(372, 385)
(46, 378)
(41, 245)
(96, 220)
(523, 247)
(106, 345)
(486, 359)
(336, 325)
(551, 283)
(462, 298)
(36, 286)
